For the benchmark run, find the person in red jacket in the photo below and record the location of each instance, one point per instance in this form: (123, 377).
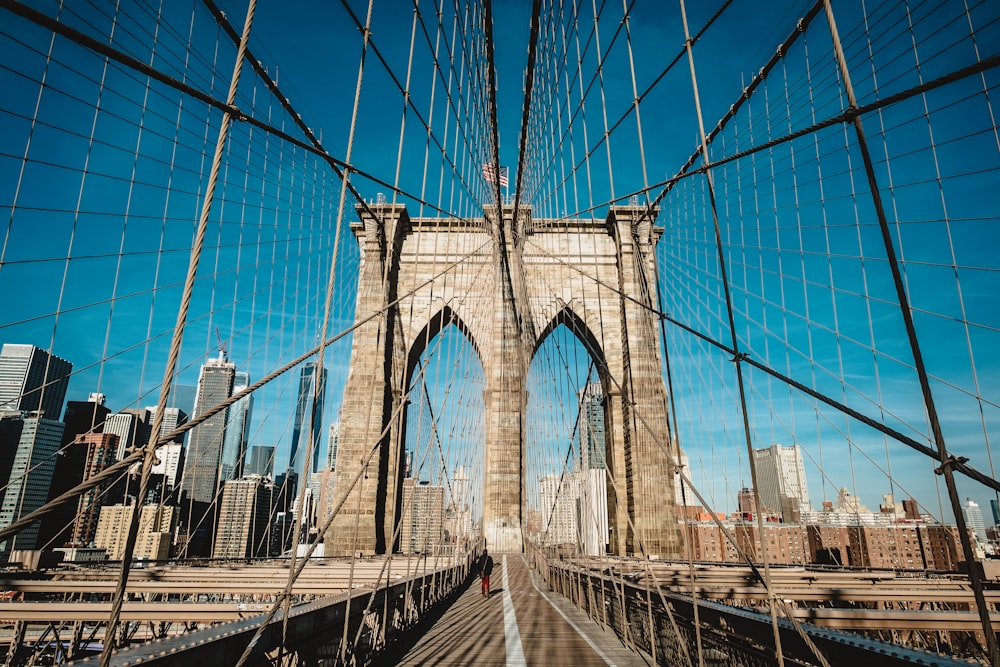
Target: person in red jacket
(485, 568)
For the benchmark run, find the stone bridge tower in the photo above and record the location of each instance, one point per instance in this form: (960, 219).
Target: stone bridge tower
(527, 276)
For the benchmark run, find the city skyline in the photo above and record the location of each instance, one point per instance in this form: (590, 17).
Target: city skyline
(132, 419)
(91, 439)
(870, 495)
(698, 301)
(716, 455)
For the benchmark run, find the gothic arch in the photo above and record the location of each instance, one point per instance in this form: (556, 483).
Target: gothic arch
(522, 295)
(435, 325)
(576, 324)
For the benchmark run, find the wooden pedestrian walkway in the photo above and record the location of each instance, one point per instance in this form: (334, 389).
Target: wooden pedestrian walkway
(520, 624)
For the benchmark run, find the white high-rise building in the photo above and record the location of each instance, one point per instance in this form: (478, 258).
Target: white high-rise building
(204, 451)
(592, 512)
(172, 418)
(781, 478)
(559, 496)
(325, 496)
(132, 429)
(682, 492)
(331, 449)
(459, 525)
(171, 458)
(974, 519)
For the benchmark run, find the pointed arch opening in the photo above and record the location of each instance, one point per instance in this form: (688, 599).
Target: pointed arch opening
(440, 499)
(435, 324)
(567, 438)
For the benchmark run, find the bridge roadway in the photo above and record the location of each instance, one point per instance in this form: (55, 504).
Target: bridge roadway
(225, 601)
(522, 623)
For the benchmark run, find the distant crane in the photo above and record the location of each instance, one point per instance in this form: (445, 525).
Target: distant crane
(222, 345)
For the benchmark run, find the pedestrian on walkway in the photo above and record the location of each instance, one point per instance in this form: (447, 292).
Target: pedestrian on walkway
(485, 568)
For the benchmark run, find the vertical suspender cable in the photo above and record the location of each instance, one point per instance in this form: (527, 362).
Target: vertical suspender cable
(675, 447)
(947, 460)
(175, 345)
(735, 343)
(536, 8)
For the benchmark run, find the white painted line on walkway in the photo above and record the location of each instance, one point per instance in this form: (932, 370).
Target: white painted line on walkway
(573, 625)
(512, 637)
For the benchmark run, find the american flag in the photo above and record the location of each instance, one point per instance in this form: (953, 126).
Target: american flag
(489, 171)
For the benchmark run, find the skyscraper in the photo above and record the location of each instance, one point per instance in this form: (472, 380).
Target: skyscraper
(30, 477)
(683, 494)
(156, 524)
(243, 519)
(303, 408)
(974, 519)
(99, 451)
(781, 479)
(422, 522)
(331, 448)
(172, 418)
(131, 427)
(234, 447)
(33, 380)
(204, 452)
(558, 496)
(171, 459)
(591, 428)
(459, 514)
(81, 418)
(261, 461)
(11, 424)
(592, 510)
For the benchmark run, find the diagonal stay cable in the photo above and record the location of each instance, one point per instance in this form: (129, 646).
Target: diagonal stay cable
(346, 493)
(846, 116)
(529, 81)
(958, 465)
(329, 520)
(644, 94)
(491, 75)
(148, 452)
(317, 147)
(399, 85)
(136, 457)
(685, 479)
(312, 146)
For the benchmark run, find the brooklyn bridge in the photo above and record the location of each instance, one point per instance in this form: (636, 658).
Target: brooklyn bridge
(681, 317)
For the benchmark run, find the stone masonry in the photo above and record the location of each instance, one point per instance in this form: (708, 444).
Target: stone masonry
(506, 282)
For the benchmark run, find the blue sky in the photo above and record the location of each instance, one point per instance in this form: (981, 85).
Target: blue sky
(811, 289)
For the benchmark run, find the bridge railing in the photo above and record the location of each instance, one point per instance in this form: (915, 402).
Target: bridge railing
(354, 627)
(661, 623)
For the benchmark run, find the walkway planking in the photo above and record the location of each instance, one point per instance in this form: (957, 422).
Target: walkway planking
(472, 631)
